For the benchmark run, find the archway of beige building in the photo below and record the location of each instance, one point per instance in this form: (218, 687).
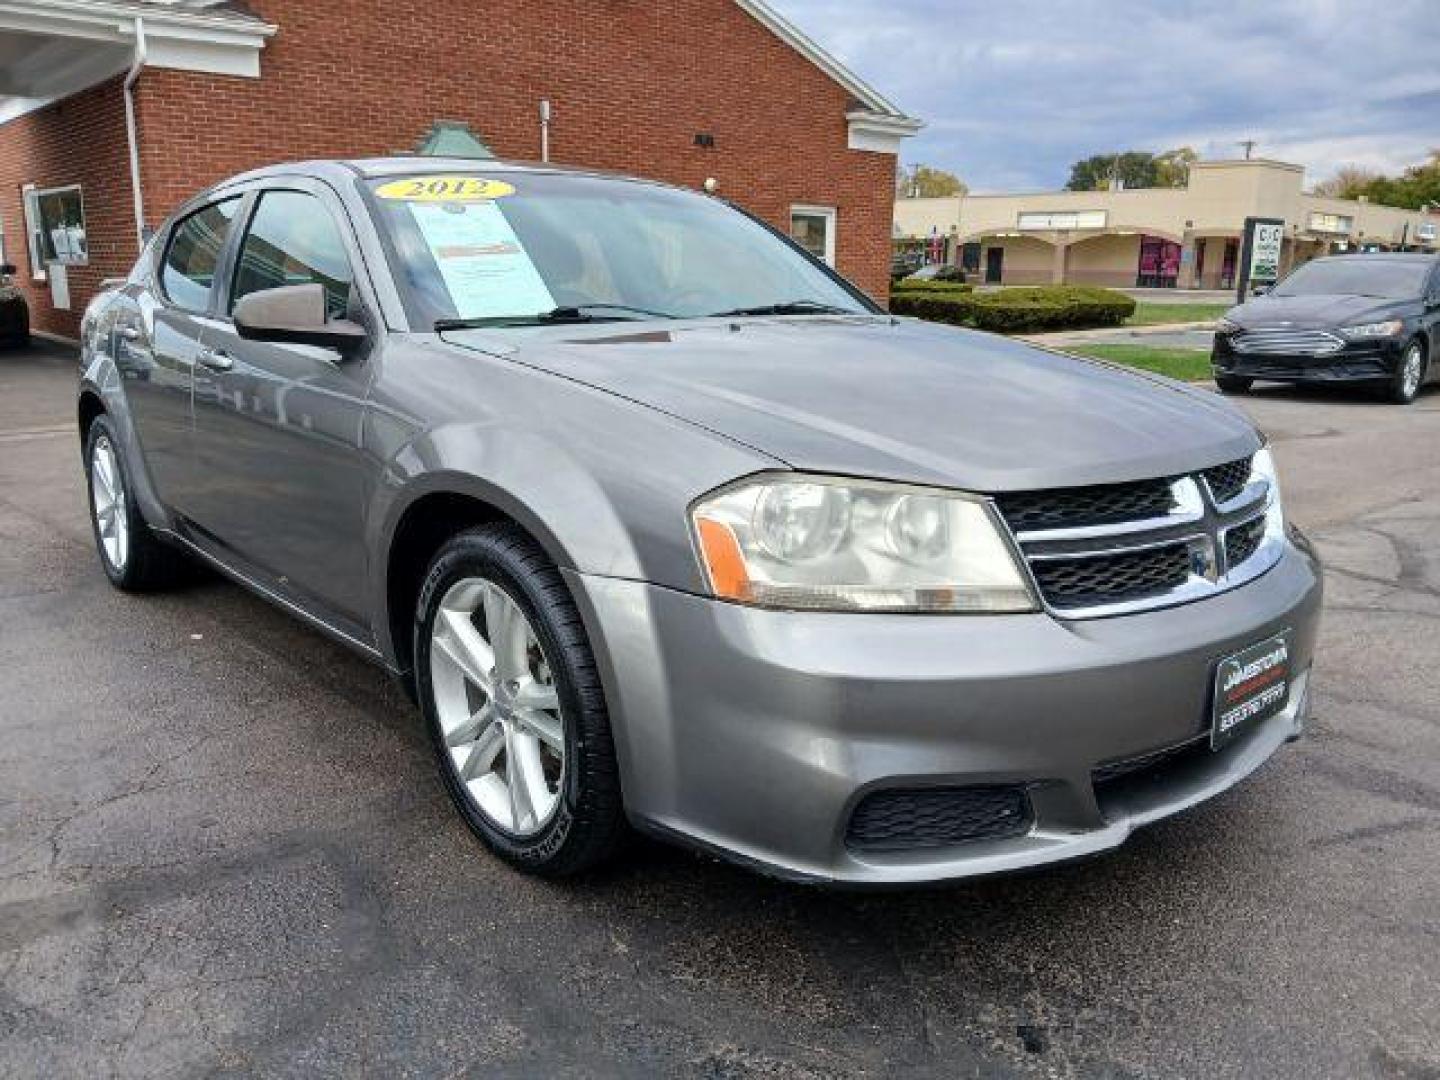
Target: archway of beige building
(1113, 258)
(1117, 258)
(996, 257)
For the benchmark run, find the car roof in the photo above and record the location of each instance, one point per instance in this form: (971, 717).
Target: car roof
(413, 165)
(1382, 256)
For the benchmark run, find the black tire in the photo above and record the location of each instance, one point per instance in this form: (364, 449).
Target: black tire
(1233, 384)
(150, 564)
(588, 825)
(1400, 390)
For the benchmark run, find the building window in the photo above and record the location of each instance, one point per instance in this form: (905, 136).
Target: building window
(1331, 223)
(813, 228)
(55, 225)
(1061, 219)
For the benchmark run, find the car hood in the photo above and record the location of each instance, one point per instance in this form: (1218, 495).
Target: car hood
(1313, 312)
(897, 399)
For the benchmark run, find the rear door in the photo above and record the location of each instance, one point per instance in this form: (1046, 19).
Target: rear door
(157, 343)
(282, 480)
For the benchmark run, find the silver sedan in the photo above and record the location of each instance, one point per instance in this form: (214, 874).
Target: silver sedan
(665, 525)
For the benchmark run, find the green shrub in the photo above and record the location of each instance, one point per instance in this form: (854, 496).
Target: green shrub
(1018, 310)
(940, 287)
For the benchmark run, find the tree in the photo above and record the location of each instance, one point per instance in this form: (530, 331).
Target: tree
(1349, 182)
(1417, 186)
(1132, 169)
(1172, 168)
(925, 182)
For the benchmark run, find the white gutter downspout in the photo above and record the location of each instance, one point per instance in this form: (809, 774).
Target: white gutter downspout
(131, 133)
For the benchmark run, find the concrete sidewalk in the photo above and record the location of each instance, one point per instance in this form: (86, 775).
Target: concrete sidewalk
(1186, 335)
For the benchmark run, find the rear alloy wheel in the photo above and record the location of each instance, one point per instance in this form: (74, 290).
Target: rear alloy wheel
(133, 557)
(1233, 384)
(513, 703)
(1409, 375)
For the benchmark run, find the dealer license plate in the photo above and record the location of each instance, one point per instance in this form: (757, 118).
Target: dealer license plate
(1250, 686)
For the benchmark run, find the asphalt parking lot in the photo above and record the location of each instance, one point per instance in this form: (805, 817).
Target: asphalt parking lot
(223, 850)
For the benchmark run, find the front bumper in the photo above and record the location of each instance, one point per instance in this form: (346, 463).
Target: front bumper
(1359, 361)
(756, 733)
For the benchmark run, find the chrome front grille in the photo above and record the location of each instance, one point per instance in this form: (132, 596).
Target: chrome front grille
(1110, 549)
(1284, 341)
(1243, 541)
(1027, 510)
(1228, 481)
(1105, 579)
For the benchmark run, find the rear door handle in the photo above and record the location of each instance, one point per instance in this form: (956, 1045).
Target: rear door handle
(215, 360)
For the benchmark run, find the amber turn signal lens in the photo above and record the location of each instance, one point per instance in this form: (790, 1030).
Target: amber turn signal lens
(723, 560)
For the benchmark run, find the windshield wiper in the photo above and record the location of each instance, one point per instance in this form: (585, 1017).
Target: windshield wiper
(789, 307)
(566, 313)
(582, 309)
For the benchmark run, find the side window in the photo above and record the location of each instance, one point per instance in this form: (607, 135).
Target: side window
(194, 254)
(292, 240)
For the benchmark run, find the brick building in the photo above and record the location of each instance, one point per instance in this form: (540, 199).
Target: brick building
(112, 111)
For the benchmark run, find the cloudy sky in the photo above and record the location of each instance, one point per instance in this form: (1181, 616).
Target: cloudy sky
(1013, 92)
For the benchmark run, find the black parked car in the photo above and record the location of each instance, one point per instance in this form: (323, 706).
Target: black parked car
(14, 313)
(1369, 319)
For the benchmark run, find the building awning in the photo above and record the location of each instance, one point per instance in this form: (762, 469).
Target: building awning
(50, 49)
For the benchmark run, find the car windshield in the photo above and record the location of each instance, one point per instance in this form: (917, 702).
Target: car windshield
(521, 248)
(1357, 275)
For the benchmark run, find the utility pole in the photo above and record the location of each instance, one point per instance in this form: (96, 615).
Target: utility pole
(1249, 145)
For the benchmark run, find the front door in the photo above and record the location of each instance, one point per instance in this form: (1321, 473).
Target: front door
(156, 346)
(994, 265)
(282, 481)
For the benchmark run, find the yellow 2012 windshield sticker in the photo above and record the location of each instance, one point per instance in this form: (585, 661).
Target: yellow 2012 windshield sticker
(444, 189)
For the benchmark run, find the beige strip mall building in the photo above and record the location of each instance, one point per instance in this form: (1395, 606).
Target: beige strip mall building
(1187, 238)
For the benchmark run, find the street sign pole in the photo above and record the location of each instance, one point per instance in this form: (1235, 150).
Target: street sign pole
(1259, 255)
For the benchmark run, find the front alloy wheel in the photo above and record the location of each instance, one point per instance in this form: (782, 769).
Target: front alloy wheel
(1409, 375)
(498, 709)
(513, 701)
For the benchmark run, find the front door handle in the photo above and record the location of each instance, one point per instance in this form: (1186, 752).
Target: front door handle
(215, 359)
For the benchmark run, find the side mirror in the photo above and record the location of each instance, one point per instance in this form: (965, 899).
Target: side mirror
(1261, 290)
(7, 269)
(295, 315)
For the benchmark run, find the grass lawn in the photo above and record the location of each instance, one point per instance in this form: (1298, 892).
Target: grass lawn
(1147, 314)
(1187, 364)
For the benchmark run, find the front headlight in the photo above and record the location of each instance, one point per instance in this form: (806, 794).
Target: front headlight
(1389, 328)
(834, 544)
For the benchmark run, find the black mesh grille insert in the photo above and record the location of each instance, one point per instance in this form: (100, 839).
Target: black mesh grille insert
(1115, 770)
(1227, 481)
(936, 817)
(1109, 579)
(1066, 507)
(1243, 541)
